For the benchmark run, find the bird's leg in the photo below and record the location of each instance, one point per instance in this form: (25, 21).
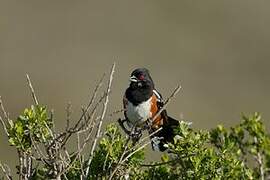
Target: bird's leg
(121, 123)
(136, 135)
(147, 125)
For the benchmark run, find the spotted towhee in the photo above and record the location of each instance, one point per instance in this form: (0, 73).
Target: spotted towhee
(141, 103)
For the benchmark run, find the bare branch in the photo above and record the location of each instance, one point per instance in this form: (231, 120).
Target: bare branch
(259, 160)
(116, 112)
(52, 121)
(127, 157)
(32, 89)
(3, 109)
(107, 155)
(6, 171)
(79, 150)
(133, 150)
(121, 158)
(90, 102)
(68, 111)
(68, 133)
(176, 90)
(37, 149)
(67, 154)
(146, 137)
(64, 137)
(101, 120)
(136, 150)
(4, 126)
(79, 153)
(5, 116)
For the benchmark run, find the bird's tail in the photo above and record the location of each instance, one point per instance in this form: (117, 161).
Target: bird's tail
(165, 135)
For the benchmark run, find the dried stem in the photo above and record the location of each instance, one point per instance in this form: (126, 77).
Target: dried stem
(6, 171)
(132, 151)
(176, 90)
(90, 102)
(5, 116)
(32, 89)
(122, 155)
(146, 137)
(259, 160)
(4, 126)
(126, 158)
(68, 111)
(136, 150)
(37, 149)
(68, 133)
(101, 120)
(79, 153)
(3, 109)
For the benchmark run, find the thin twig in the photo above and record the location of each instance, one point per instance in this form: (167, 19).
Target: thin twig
(168, 162)
(68, 111)
(65, 177)
(176, 90)
(6, 116)
(37, 149)
(159, 164)
(3, 109)
(50, 130)
(4, 126)
(32, 89)
(133, 152)
(107, 155)
(101, 120)
(64, 136)
(79, 153)
(6, 172)
(90, 102)
(79, 150)
(68, 133)
(91, 123)
(122, 156)
(67, 154)
(116, 112)
(84, 117)
(259, 160)
(126, 158)
(146, 137)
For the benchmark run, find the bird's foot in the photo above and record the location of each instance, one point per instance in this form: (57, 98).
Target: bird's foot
(135, 136)
(147, 124)
(121, 123)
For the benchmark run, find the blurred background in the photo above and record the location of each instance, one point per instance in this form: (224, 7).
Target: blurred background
(217, 50)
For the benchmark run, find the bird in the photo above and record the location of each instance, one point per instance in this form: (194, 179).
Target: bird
(141, 103)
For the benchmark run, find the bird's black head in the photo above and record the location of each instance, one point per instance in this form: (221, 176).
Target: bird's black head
(141, 79)
(141, 86)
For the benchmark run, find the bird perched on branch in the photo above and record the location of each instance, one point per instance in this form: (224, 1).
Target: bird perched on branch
(142, 102)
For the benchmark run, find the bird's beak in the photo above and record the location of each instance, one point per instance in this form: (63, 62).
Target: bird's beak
(133, 79)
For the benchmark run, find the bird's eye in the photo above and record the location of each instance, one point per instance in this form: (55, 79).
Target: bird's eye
(141, 77)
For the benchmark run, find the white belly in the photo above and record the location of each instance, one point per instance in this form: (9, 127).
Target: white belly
(139, 113)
